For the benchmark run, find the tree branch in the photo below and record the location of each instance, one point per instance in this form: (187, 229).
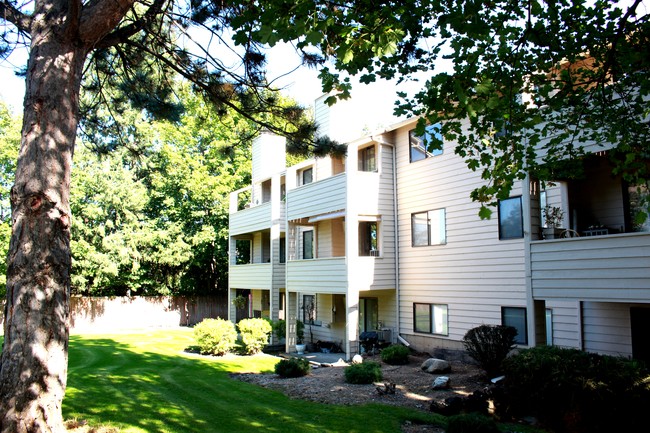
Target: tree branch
(99, 17)
(122, 34)
(20, 20)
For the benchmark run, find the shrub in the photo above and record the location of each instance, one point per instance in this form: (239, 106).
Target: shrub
(364, 373)
(292, 367)
(215, 336)
(471, 423)
(279, 329)
(395, 355)
(489, 345)
(254, 334)
(569, 390)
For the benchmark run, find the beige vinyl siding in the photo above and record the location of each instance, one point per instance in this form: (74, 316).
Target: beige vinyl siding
(317, 198)
(250, 276)
(318, 275)
(614, 267)
(324, 241)
(566, 323)
(250, 220)
(474, 273)
(606, 328)
(269, 149)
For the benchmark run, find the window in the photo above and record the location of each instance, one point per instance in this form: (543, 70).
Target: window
(430, 319)
(511, 221)
(308, 309)
(367, 160)
(307, 176)
(428, 228)
(308, 244)
(243, 251)
(516, 317)
(549, 327)
(368, 245)
(421, 145)
(542, 206)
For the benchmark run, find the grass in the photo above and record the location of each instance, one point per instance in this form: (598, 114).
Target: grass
(145, 383)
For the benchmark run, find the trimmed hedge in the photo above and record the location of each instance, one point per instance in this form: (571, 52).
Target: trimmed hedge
(215, 336)
(364, 373)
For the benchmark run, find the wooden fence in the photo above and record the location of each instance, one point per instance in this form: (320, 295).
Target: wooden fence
(107, 314)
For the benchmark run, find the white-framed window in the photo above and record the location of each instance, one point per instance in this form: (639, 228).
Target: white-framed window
(516, 317)
(306, 175)
(369, 238)
(421, 146)
(428, 228)
(368, 159)
(308, 244)
(511, 219)
(431, 318)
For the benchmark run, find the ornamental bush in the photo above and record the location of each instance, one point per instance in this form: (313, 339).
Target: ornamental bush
(215, 336)
(254, 334)
(364, 373)
(489, 345)
(569, 390)
(395, 355)
(292, 367)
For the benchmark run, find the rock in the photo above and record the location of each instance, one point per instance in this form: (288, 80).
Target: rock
(441, 382)
(435, 365)
(357, 359)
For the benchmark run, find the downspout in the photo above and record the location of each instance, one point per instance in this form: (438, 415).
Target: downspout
(396, 229)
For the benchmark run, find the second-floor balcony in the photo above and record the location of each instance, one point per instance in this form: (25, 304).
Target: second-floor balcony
(321, 197)
(251, 276)
(325, 274)
(613, 267)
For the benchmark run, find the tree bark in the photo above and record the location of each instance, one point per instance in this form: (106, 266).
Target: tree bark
(34, 361)
(34, 358)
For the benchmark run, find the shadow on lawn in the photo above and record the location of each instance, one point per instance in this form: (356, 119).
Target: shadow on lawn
(111, 383)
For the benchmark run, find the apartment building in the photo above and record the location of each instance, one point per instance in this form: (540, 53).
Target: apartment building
(388, 240)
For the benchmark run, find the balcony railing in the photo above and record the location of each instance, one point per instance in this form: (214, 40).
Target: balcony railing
(600, 268)
(251, 276)
(323, 196)
(329, 275)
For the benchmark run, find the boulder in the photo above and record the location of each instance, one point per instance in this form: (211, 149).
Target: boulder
(357, 359)
(441, 382)
(435, 365)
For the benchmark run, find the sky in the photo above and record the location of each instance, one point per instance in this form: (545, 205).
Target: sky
(374, 102)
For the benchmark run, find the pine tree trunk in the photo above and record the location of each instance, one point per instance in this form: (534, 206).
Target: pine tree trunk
(34, 360)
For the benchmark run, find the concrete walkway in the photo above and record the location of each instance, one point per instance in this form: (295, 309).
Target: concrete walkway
(321, 359)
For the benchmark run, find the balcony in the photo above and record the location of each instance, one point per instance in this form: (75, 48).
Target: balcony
(321, 197)
(318, 275)
(613, 268)
(251, 276)
(250, 220)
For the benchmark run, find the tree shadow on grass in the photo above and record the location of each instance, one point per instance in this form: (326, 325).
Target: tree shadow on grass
(111, 383)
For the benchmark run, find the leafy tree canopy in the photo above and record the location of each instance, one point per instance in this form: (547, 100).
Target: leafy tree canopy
(531, 83)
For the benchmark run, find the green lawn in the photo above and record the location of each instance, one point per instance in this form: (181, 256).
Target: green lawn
(145, 383)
